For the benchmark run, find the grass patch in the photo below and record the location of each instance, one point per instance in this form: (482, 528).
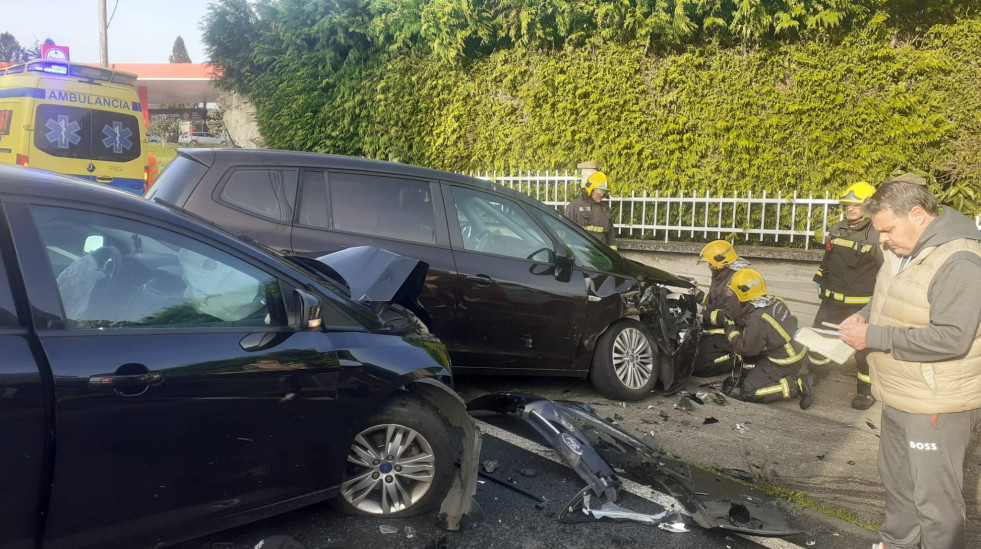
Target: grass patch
(798, 497)
(164, 153)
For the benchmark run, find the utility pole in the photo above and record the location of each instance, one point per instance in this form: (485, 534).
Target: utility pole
(103, 34)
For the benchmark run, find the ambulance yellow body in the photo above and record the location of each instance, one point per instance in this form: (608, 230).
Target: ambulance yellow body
(74, 119)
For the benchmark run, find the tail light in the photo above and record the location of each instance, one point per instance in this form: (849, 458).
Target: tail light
(146, 178)
(22, 160)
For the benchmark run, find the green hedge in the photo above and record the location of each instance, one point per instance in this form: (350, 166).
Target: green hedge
(809, 117)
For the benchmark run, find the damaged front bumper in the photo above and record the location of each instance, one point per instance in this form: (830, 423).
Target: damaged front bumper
(589, 445)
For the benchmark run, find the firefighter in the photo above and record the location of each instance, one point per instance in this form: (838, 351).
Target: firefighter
(715, 356)
(590, 212)
(760, 328)
(845, 281)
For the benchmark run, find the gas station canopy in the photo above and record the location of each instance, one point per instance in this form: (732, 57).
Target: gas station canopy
(173, 82)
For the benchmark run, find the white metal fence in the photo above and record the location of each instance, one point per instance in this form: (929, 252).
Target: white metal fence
(697, 217)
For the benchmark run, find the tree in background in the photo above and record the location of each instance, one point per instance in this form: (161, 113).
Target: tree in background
(179, 53)
(10, 48)
(35, 51)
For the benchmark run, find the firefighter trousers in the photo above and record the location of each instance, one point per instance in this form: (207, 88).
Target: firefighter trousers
(834, 312)
(714, 357)
(769, 382)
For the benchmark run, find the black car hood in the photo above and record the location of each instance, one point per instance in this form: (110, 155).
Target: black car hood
(374, 275)
(653, 274)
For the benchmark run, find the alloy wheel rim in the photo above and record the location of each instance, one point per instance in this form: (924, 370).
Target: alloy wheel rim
(389, 469)
(633, 359)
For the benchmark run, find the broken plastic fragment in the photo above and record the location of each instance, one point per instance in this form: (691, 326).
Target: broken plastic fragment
(410, 532)
(490, 465)
(812, 542)
(709, 421)
(676, 527)
(386, 529)
(528, 472)
(684, 404)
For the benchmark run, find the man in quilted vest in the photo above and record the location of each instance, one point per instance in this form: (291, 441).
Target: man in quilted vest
(923, 330)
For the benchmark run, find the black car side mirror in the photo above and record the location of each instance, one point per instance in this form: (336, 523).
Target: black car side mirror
(564, 261)
(304, 310)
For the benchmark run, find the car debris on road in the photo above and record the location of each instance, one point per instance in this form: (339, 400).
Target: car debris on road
(589, 445)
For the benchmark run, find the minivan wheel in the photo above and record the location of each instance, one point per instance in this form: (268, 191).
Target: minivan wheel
(194, 142)
(399, 465)
(625, 361)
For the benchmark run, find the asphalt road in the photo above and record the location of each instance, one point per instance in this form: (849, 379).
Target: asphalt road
(526, 470)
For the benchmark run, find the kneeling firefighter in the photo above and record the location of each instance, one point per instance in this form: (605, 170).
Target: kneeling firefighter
(715, 355)
(760, 328)
(590, 212)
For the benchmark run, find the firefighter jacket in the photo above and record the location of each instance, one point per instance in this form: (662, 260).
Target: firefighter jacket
(852, 257)
(765, 330)
(714, 300)
(924, 330)
(592, 216)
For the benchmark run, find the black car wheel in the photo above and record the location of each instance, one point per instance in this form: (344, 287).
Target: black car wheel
(625, 361)
(399, 465)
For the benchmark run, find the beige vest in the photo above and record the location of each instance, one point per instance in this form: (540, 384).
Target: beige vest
(902, 300)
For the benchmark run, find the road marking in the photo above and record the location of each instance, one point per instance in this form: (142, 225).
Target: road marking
(634, 488)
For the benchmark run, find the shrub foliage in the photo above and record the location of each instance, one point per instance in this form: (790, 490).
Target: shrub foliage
(673, 95)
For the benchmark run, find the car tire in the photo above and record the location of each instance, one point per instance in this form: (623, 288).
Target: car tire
(373, 473)
(625, 363)
(194, 142)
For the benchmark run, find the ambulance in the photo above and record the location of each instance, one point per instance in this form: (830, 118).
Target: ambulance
(74, 119)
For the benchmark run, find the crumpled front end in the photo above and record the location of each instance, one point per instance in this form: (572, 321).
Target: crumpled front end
(670, 311)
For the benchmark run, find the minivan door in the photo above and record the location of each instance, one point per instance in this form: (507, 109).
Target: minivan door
(514, 312)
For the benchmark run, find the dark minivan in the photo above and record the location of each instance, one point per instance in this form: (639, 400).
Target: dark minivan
(513, 287)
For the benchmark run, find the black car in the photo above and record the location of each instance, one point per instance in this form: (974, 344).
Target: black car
(514, 287)
(162, 379)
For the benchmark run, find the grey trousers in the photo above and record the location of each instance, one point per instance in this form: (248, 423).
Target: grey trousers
(921, 464)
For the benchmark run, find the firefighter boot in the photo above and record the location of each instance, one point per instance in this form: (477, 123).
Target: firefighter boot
(863, 402)
(806, 391)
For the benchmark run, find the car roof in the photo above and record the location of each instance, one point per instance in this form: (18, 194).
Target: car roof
(55, 188)
(269, 157)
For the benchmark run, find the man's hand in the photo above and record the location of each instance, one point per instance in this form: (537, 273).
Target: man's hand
(853, 330)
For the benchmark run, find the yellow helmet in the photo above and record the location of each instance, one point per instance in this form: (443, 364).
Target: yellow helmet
(747, 284)
(857, 193)
(718, 254)
(596, 182)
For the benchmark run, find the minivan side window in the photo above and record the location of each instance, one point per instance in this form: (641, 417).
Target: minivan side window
(8, 311)
(143, 276)
(384, 206)
(267, 192)
(496, 225)
(587, 253)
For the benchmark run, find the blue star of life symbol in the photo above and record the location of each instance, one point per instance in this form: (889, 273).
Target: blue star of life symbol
(117, 137)
(62, 131)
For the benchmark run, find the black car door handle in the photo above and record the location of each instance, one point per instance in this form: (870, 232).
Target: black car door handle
(480, 280)
(148, 378)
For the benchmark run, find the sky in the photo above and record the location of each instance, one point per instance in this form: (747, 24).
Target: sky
(141, 31)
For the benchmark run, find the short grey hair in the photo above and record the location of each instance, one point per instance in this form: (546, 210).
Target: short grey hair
(901, 197)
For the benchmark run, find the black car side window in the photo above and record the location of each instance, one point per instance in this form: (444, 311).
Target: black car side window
(496, 225)
(587, 253)
(383, 206)
(116, 273)
(269, 193)
(8, 311)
